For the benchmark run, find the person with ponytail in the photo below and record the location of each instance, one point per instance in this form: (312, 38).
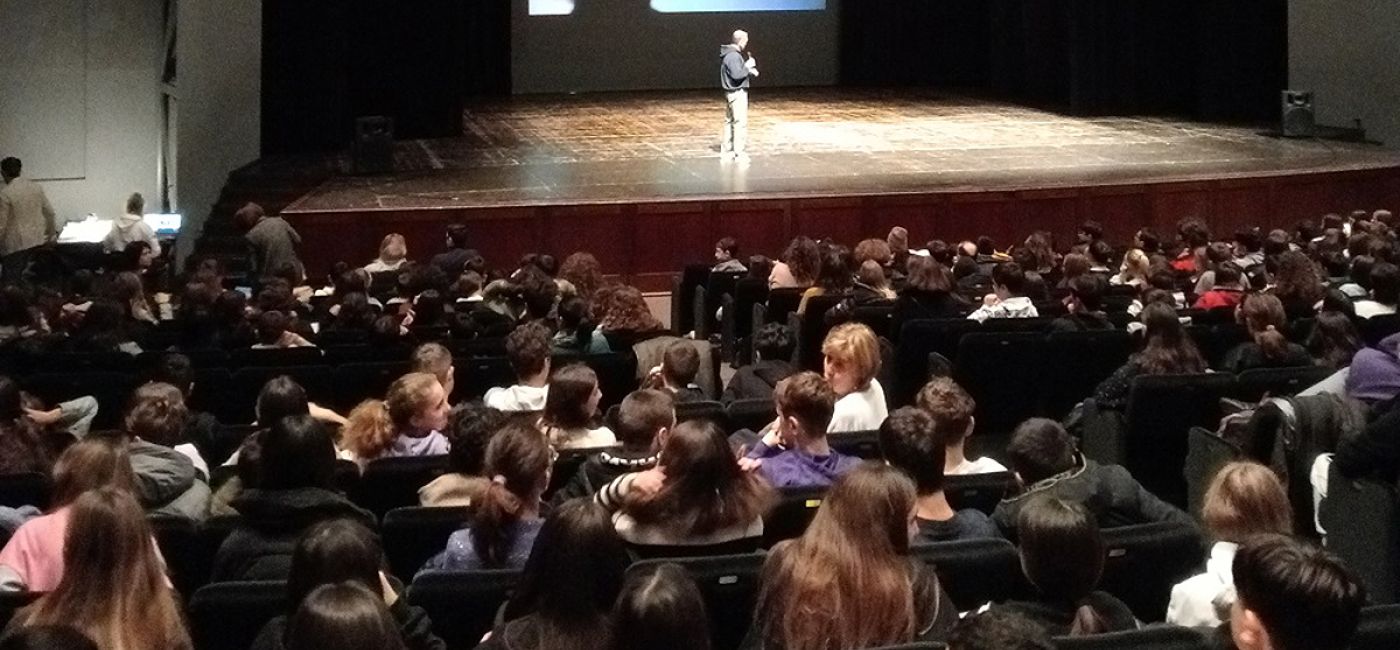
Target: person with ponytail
(1168, 351)
(1062, 556)
(171, 477)
(505, 505)
(849, 580)
(407, 422)
(1263, 316)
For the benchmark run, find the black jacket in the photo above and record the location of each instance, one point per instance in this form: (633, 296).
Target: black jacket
(757, 380)
(600, 470)
(1088, 321)
(414, 626)
(260, 548)
(1108, 491)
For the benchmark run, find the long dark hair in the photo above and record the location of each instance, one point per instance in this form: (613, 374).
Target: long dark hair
(1334, 340)
(1062, 555)
(566, 406)
(517, 462)
(1262, 314)
(343, 615)
(660, 607)
(1169, 350)
(337, 550)
(704, 490)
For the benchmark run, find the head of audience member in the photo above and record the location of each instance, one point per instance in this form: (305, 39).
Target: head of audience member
(837, 273)
(804, 403)
(280, 397)
(10, 168)
(343, 615)
(858, 543)
(47, 637)
(952, 409)
(572, 578)
(1086, 294)
(1039, 449)
(851, 358)
(332, 551)
(627, 311)
(1089, 232)
(873, 249)
(1385, 283)
(393, 249)
(1193, 233)
(1039, 252)
(872, 275)
(760, 267)
(538, 292)
(436, 360)
(1291, 595)
(458, 236)
(137, 256)
(804, 260)
(1073, 266)
(584, 272)
(1147, 240)
(272, 328)
(926, 274)
(1062, 556)
(114, 588)
(295, 452)
(175, 369)
(726, 249)
(909, 443)
(1246, 499)
(986, 247)
(660, 607)
(515, 475)
(645, 419)
(774, 342)
(1334, 339)
(941, 252)
(1169, 350)
(1298, 278)
(680, 363)
(573, 398)
(1135, 266)
(1246, 241)
(1228, 276)
(1100, 254)
(1276, 243)
(156, 413)
(470, 428)
(1009, 280)
(965, 267)
(416, 402)
(999, 629)
(528, 348)
(1263, 316)
(704, 489)
(89, 464)
(898, 240)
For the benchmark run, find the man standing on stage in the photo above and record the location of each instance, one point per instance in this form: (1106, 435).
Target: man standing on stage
(734, 72)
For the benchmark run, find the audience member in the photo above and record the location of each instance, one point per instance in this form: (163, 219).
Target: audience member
(407, 422)
(727, 257)
(172, 479)
(454, 260)
(680, 364)
(47, 637)
(1263, 317)
(22, 442)
(835, 278)
(795, 453)
(1333, 340)
(952, 410)
(436, 360)
(27, 219)
(578, 334)
(393, 254)
(1168, 351)
(1298, 284)
(928, 293)
(660, 607)
(528, 350)
(1291, 595)
(872, 286)
(1226, 289)
(1044, 457)
(571, 409)
(849, 581)
(1083, 306)
(272, 240)
(773, 345)
(1385, 292)
(909, 443)
(346, 616)
(1009, 298)
(851, 360)
(1248, 248)
(999, 629)
(131, 227)
(798, 267)
(1134, 270)
(470, 429)
(644, 420)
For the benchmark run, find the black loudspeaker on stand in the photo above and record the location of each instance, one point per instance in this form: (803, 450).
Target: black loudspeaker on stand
(1299, 120)
(373, 150)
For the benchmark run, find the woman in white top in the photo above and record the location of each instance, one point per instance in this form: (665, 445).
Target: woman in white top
(1244, 499)
(696, 495)
(570, 408)
(852, 359)
(393, 254)
(1134, 269)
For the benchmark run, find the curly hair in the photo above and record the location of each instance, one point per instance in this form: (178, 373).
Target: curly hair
(627, 311)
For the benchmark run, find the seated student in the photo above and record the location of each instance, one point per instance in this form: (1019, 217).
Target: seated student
(644, 420)
(114, 588)
(999, 629)
(676, 374)
(1227, 291)
(835, 276)
(849, 581)
(727, 257)
(453, 260)
(1291, 595)
(1008, 299)
(1244, 499)
(572, 408)
(576, 332)
(952, 409)
(1084, 305)
(288, 489)
(470, 429)
(201, 429)
(909, 443)
(567, 589)
(660, 607)
(528, 349)
(851, 360)
(1385, 291)
(696, 496)
(505, 505)
(393, 254)
(172, 479)
(1168, 351)
(1044, 458)
(773, 345)
(795, 454)
(928, 293)
(1062, 556)
(435, 360)
(273, 333)
(32, 560)
(344, 615)
(1262, 315)
(407, 422)
(346, 552)
(872, 286)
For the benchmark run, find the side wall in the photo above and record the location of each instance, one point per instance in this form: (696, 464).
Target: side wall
(1345, 53)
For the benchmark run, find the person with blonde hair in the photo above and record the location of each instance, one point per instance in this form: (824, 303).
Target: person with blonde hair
(131, 227)
(1134, 270)
(848, 581)
(436, 360)
(114, 588)
(851, 360)
(407, 422)
(1244, 499)
(393, 254)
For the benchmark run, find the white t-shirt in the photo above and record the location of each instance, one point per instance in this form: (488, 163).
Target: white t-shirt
(984, 465)
(1368, 308)
(1198, 600)
(863, 410)
(517, 398)
(580, 438)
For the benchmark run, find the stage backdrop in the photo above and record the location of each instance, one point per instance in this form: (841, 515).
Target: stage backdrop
(600, 45)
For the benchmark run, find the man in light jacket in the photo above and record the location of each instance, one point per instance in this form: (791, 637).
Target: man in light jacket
(734, 72)
(27, 219)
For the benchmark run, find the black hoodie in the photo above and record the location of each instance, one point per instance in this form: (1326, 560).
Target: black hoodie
(757, 380)
(260, 548)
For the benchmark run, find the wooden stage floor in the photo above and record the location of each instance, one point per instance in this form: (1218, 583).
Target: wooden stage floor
(814, 142)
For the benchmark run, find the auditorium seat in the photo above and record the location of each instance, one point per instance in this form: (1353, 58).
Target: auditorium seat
(703, 410)
(810, 328)
(567, 465)
(975, 571)
(738, 324)
(354, 382)
(229, 615)
(917, 340)
(781, 302)
(729, 585)
(462, 604)
(1375, 328)
(278, 357)
(1145, 561)
(475, 375)
(1378, 629)
(751, 414)
(413, 535)
(1255, 384)
(110, 389)
(1003, 372)
(1362, 520)
(1156, 637)
(25, 489)
(1076, 363)
(617, 373)
(390, 483)
(692, 277)
(793, 512)
(861, 444)
(210, 393)
(978, 491)
(676, 551)
(1206, 453)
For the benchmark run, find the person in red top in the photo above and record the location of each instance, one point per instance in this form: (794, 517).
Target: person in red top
(1195, 235)
(1227, 292)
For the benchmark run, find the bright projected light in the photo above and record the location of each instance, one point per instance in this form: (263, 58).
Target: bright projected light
(551, 7)
(710, 6)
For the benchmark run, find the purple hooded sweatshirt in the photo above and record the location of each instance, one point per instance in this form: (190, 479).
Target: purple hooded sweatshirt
(1375, 372)
(791, 468)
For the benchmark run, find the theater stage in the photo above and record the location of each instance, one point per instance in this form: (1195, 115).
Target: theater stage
(637, 178)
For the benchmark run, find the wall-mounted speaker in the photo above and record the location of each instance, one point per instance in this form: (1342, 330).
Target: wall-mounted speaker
(1298, 118)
